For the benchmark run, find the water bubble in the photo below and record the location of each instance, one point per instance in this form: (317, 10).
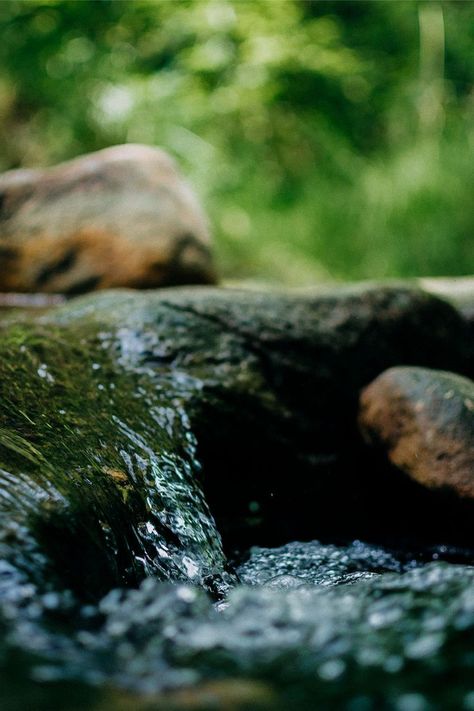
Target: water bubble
(44, 373)
(411, 702)
(331, 670)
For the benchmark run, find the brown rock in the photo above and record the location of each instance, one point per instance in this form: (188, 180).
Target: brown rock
(119, 217)
(425, 420)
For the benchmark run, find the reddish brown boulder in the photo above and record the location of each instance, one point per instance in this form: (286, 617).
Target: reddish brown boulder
(120, 217)
(425, 420)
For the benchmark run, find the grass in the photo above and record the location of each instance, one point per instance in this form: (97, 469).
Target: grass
(410, 213)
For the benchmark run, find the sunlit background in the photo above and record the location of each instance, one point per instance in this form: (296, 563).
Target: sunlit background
(327, 140)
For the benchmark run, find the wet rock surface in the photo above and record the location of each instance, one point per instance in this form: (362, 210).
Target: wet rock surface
(314, 563)
(122, 216)
(147, 440)
(425, 420)
(458, 291)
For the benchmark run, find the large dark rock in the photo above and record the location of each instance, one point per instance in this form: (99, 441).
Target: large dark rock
(120, 217)
(110, 407)
(459, 291)
(425, 421)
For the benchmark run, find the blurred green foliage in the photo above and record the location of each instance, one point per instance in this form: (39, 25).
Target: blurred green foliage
(326, 139)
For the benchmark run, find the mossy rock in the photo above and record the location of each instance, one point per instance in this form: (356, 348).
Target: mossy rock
(111, 404)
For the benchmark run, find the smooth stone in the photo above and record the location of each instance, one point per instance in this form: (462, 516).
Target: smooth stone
(120, 217)
(424, 419)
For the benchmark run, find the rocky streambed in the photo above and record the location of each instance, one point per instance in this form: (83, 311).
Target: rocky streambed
(223, 499)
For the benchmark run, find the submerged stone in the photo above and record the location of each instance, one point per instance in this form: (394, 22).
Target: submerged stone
(313, 563)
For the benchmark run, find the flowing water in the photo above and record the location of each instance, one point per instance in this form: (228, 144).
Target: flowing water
(356, 627)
